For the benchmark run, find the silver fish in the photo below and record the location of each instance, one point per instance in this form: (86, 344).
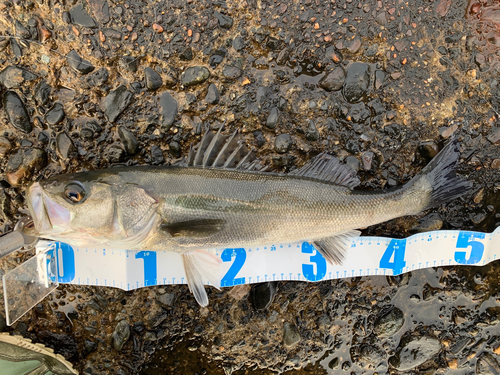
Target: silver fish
(221, 198)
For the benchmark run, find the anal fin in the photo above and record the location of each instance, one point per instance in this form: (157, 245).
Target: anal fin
(335, 248)
(201, 266)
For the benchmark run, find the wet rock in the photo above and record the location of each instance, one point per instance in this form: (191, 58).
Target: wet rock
(260, 140)
(187, 54)
(487, 364)
(157, 155)
(312, 133)
(129, 140)
(168, 110)
(272, 119)
(98, 78)
(121, 335)
(291, 335)
(225, 22)
(89, 346)
(4, 146)
(153, 79)
(55, 115)
(16, 112)
(16, 48)
(414, 351)
(65, 146)
(428, 149)
(166, 299)
(238, 43)
(175, 148)
(194, 75)
(334, 80)
(212, 96)
(129, 63)
(79, 16)
(353, 162)
(42, 93)
(442, 7)
(100, 9)
(231, 72)
(262, 295)
(116, 102)
(478, 218)
(388, 322)
(367, 160)
(21, 166)
(357, 82)
(381, 19)
(494, 137)
(282, 143)
(13, 77)
(21, 30)
(428, 223)
(379, 78)
(371, 355)
(76, 62)
(116, 154)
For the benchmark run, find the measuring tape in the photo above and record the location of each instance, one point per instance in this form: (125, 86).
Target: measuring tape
(126, 269)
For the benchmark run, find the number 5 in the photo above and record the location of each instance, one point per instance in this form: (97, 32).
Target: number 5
(466, 239)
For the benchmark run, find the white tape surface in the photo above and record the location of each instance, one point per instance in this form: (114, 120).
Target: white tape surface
(126, 269)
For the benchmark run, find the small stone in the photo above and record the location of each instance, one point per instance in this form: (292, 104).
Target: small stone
(312, 133)
(55, 115)
(353, 162)
(157, 28)
(187, 54)
(212, 96)
(194, 75)
(354, 46)
(5, 146)
(100, 9)
(428, 223)
(121, 335)
(98, 78)
(333, 80)
(260, 140)
(21, 31)
(129, 63)
(16, 112)
(129, 140)
(494, 137)
(495, 164)
(428, 149)
(65, 146)
(442, 7)
(379, 79)
(153, 79)
(116, 102)
(76, 62)
(89, 346)
(291, 335)
(381, 19)
(487, 364)
(13, 77)
(414, 352)
(478, 218)
(282, 143)
(238, 43)
(79, 16)
(357, 82)
(166, 299)
(42, 93)
(157, 155)
(231, 72)
(262, 295)
(225, 22)
(272, 119)
(175, 149)
(116, 154)
(367, 160)
(168, 111)
(22, 165)
(447, 132)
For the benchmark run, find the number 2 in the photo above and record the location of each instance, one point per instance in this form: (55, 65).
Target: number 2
(239, 260)
(466, 239)
(396, 247)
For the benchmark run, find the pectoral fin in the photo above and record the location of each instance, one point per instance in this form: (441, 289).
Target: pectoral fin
(201, 266)
(335, 248)
(194, 228)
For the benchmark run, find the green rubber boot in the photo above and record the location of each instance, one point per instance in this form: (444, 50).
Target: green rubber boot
(19, 356)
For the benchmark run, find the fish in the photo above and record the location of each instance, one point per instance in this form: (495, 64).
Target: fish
(222, 196)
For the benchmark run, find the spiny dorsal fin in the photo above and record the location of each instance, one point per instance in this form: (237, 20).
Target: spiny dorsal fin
(327, 168)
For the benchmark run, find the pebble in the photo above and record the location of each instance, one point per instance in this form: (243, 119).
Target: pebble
(89, 346)
(12, 77)
(80, 65)
(262, 295)
(231, 72)
(367, 160)
(166, 299)
(157, 155)
(65, 146)
(79, 16)
(272, 119)
(129, 63)
(333, 80)
(157, 28)
(100, 10)
(357, 82)
(494, 137)
(98, 78)
(478, 218)
(487, 364)
(153, 79)
(282, 143)
(187, 54)
(5, 146)
(22, 165)
(260, 140)
(116, 154)
(212, 96)
(291, 335)
(428, 149)
(42, 93)
(353, 162)
(175, 148)
(428, 223)
(379, 79)
(121, 335)
(194, 75)
(225, 22)
(415, 351)
(238, 43)
(312, 133)
(16, 112)
(116, 102)
(55, 115)
(168, 110)
(129, 140)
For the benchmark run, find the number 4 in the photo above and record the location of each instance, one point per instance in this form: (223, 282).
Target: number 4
(396, 248)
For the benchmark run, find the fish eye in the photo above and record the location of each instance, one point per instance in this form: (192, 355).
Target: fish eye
(74, 192)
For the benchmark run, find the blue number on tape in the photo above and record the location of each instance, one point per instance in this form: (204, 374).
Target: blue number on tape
(240, 256)
(150, 272)
(318, 259)
(396, 248)
(466, 239)
(65, 261)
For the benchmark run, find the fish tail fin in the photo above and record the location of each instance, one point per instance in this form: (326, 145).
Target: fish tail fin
(201, 266)
(438, 181)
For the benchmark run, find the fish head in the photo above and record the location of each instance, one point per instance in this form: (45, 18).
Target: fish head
(90, 211)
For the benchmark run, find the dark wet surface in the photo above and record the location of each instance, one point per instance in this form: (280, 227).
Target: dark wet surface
(86, 84)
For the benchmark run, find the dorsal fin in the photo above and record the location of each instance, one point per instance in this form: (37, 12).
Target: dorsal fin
(327, 168)
(217, 150)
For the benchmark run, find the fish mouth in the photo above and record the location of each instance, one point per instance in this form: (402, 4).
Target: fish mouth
(48, 216)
